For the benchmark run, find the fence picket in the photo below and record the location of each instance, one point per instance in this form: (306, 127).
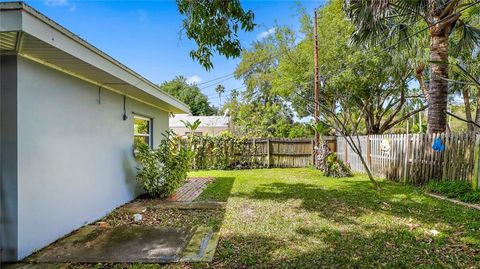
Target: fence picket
(412, 159)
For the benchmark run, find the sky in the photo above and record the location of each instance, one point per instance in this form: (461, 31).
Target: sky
(146, 35)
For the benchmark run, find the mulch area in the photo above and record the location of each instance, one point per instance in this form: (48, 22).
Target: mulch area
(174, 211)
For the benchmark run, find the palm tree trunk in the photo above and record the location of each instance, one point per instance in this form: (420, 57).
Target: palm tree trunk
(468, 112)
(437, 116)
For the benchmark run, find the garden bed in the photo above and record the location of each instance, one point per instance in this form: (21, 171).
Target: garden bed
(457, 190)
(455, 201)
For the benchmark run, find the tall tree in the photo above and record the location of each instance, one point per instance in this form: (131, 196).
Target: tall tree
(367, 80)
(220, 89)
(190, 95)
(262, 112)
(376, 21)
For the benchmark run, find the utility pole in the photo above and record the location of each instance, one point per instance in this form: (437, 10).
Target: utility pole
(316, 86)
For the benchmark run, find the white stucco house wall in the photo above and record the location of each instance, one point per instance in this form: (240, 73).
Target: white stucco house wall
(66, 129)
(210, 125)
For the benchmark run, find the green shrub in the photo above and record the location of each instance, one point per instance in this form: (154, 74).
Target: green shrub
(164, 169)
(336, 167)
(471, 197)
(460, 190)
(223, 152)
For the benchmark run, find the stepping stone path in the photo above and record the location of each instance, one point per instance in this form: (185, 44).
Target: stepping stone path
(190, 190)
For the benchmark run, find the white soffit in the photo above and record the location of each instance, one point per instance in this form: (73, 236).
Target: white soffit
(8, 41)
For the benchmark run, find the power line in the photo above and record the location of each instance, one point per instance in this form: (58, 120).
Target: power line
(217, 83)
(215, 79)
(227, 91)
(406, 38)
(400, 41)
(414, 34)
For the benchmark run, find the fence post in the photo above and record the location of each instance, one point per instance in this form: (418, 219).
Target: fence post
(369, 155)
(406, 160)
(446, 156)
(346, 150)
(312, 147)
(476, 164)
(268, 152)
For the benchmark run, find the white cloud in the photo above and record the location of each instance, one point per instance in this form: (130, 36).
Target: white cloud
(195, 79)
(56, 3)
(265, 34)
(60, 3)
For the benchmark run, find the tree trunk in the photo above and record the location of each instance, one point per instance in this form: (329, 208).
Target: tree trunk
(419, 75)
(477, 113)
(468, 112)
(437, 116)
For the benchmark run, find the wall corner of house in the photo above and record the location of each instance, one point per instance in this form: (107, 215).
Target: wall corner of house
(8, 158)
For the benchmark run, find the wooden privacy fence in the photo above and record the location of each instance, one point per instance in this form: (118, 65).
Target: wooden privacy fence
(255, 153)
(281, 152)
(410, 158)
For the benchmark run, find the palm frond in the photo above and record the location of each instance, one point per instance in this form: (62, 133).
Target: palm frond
(377, 21)
(469, 37)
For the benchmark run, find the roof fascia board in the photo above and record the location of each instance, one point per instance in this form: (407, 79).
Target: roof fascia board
(39, 26)
(11, 21)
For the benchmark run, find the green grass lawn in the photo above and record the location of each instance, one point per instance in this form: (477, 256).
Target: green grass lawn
(297, 218)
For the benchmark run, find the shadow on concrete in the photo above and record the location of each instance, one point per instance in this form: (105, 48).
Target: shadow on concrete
(168, 232)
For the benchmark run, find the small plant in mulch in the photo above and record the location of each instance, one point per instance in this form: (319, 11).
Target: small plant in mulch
(460, 190)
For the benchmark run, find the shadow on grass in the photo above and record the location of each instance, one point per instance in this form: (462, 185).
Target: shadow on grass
(347, 202)
(218, 190)
(386, 249)
(348, 240)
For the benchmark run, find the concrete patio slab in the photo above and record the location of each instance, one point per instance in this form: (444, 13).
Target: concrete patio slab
(36, 266)
(202, 246)
(123, 244)
(127, 244)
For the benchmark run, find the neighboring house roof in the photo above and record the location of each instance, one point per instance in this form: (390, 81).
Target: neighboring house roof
(30, 34)
(206, 121)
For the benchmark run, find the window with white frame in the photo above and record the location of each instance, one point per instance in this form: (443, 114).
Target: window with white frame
(142, 130)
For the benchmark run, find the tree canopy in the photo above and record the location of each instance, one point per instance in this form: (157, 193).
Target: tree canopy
(190, 94)
(387, 22)
(359, 81)
(214, 26)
